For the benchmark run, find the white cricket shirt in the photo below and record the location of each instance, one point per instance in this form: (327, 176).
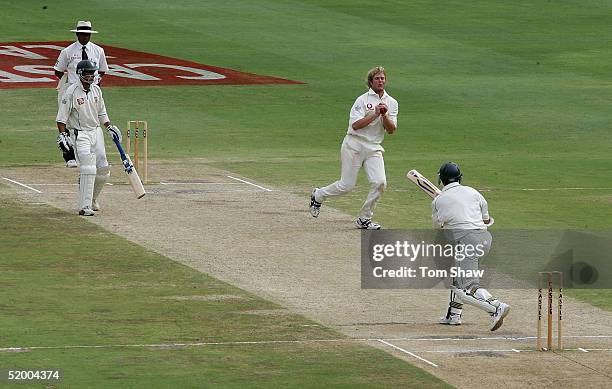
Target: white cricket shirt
(459, 207)
(70, 56)
(82, 110)
(365, 105)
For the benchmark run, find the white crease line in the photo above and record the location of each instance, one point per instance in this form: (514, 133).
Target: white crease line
(74, 184)
(511, 350)
(584, 350)
(267, 342)
(20, 184)
(199, 183)
(518, 189)
(250, 183)
(547, 189)
(46, 184)
(495, 338)
(538, 189)
(407, 352)
(186, 191)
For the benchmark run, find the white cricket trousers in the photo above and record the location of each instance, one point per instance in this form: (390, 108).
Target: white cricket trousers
(89, 143)
(93, 166)
(354, 154)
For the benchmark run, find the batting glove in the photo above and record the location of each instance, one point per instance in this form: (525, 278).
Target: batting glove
(64, 142)
(114, 132)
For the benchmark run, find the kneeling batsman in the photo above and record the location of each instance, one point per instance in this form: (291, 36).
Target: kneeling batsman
(81, 111)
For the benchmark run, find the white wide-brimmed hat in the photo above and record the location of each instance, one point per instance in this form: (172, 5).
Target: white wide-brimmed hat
(84, 27)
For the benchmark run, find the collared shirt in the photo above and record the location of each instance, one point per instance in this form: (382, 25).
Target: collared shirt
(82, 110)
(365, 105)
(70, 56)
(459, 207)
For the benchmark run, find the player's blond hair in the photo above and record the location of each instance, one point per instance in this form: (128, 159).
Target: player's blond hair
(372, 72)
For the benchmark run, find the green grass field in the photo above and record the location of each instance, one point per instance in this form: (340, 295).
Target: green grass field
(55, 295)
(518, 93)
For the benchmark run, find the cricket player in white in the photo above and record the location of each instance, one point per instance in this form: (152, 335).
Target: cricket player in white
(82, 49)
(372, 114)
(81, 111)
(464, 215)
(65, 71)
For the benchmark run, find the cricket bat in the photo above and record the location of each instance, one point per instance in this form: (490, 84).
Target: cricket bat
(423, 183)
(131, 172)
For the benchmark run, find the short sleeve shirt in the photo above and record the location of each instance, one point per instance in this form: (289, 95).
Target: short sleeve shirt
(72, 55)
(459, 207)
(365, 105)
(82, 110)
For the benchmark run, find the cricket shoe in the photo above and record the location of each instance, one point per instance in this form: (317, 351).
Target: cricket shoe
(71, 163)
(315, 206)
(367, 224)
(497, 319)
(95, 205)
(451, 320)
(86, 212)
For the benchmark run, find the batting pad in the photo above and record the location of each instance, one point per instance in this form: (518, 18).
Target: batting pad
(481, 299)
(102, 175)
(87, 179)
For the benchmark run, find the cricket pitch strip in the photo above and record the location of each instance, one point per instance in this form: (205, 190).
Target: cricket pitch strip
(263, 240)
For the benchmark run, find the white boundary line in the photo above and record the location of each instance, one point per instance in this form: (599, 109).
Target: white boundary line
(250, 183)
(306, 341)
(174, 345)
(20, 184)
(407, 352)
